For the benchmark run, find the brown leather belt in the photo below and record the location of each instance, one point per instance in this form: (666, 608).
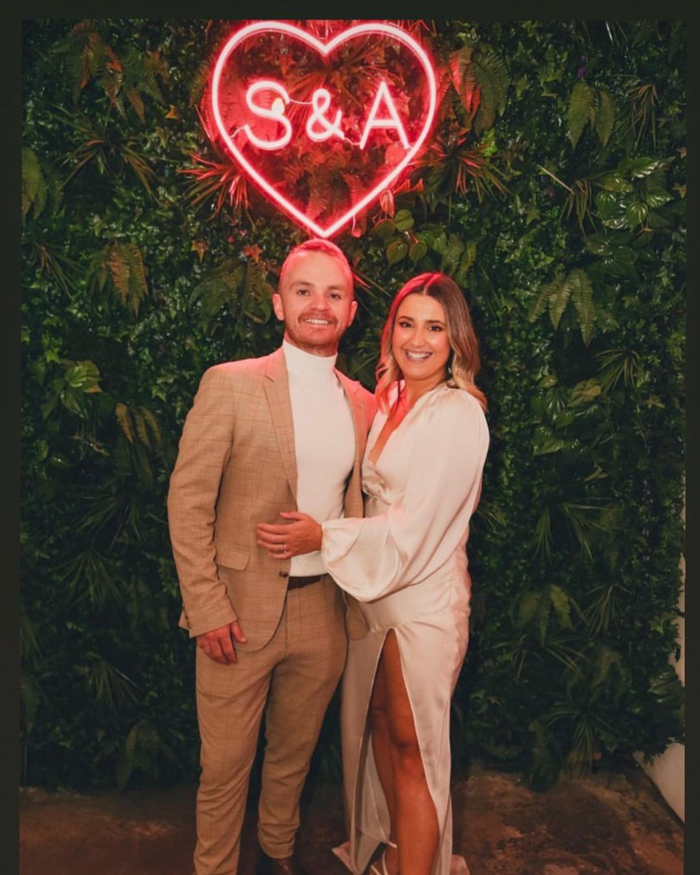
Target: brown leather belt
(298, 582)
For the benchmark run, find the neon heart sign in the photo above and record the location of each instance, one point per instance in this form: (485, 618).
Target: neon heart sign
(322, 145)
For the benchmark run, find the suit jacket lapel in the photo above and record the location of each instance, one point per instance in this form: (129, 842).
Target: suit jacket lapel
(277, 392)
(358, 416)
(353, 494)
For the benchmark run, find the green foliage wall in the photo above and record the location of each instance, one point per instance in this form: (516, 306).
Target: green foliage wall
(554, 192)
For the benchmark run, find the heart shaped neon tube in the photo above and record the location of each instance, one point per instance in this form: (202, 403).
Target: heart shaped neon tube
(324, 48)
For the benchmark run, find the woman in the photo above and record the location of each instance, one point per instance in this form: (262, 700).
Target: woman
(405, 564)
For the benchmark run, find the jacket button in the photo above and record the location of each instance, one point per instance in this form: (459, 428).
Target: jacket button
(284, 574)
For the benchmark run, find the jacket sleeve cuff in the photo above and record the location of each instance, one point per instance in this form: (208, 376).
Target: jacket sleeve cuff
(203, 622)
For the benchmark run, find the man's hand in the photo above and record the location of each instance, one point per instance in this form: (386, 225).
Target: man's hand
(303, 535)
(218, 644)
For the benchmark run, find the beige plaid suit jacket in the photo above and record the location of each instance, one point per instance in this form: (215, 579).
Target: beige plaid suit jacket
(236, 467)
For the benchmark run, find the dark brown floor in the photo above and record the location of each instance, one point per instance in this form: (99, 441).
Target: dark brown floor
(605, 824)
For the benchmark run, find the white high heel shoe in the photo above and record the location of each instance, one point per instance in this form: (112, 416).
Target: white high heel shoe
(381, 862)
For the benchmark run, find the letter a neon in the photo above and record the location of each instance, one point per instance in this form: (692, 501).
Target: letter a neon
(272, 113)
(392, 122)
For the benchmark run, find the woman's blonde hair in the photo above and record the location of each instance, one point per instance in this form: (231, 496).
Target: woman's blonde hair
(463, 363)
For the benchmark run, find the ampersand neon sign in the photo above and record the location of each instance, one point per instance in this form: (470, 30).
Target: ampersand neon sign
(378, 122)
(321, 101)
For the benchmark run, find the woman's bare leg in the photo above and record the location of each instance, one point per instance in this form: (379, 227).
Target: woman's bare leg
(379, 722)
(414, 819)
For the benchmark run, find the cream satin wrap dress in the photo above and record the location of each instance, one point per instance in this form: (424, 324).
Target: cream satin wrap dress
(406, 564)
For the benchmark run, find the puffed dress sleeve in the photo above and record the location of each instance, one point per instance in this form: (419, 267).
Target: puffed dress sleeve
(372, 557)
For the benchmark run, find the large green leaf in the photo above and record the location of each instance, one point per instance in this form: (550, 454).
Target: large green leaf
(580, 105)
(396, 251)
(636, 213)
(403, 220)
(607, 204)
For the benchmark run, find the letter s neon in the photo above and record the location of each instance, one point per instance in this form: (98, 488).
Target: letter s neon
(264, 112)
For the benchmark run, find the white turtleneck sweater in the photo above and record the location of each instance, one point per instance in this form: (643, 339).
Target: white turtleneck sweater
(324, 440)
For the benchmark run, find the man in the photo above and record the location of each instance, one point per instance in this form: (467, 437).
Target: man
(284, 432)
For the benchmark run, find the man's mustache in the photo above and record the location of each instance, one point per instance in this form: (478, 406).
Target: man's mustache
(314, 314)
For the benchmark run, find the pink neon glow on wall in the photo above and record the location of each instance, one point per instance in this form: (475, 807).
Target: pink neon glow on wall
(325, 124)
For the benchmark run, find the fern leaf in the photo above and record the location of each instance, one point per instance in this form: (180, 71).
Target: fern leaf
(446, 93)
(316, 204)
(86, 25)
(119, 265)
(138, 286)
(582, 752)
(30, 701)
(546, 758)
(34, 188)
(455, 247)
(461, 66)
(604, 113)
(214, 295)
(492, 75)
(463, 76)
(561, 602)
(584, 392)
(143, 465)
(543, 533)
(253, 280)
(125, 766)
(486, 114)
(199, 81)
(93, 53)
(582, 297)
(606, 659)
(530, 605)
(141, 429)
(540, 305)
(559, 299)
(467, 261)
(125, 421)
(154, 66)
(136, 101)
(544, 612)
(232, 277)
(580, 105)
(150, 420)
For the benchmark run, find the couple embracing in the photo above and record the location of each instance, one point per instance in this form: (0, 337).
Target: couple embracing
(320, 531)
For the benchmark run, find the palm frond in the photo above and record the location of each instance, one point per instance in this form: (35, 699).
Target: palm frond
(89, 577)
(220, 178)
(617, 364)
(29, 640)
(110, 686)
(580, 200)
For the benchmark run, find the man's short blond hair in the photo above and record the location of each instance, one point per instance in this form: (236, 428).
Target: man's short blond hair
(317, 244)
